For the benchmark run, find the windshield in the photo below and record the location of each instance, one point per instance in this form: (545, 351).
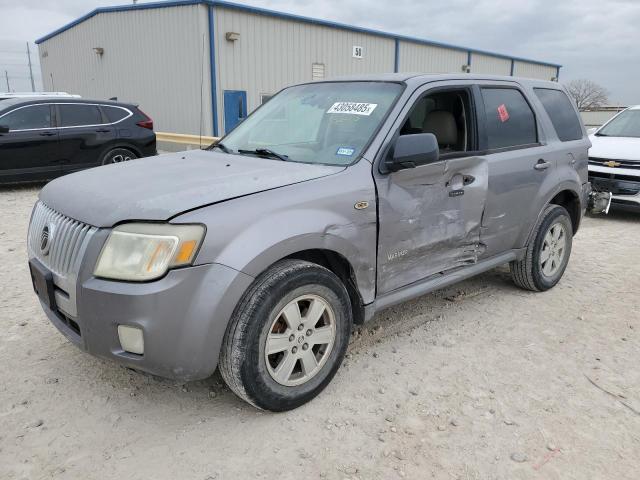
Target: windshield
(627, 124)
(328, 123)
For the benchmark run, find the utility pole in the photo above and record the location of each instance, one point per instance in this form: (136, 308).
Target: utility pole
(33, 85)
(6, 76)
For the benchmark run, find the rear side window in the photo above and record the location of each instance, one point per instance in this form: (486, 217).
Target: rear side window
(78, 115)
(510, 122)
(28, 118)
(560, 110)
(115, 114)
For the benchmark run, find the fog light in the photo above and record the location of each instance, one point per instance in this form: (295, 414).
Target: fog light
(131, 339)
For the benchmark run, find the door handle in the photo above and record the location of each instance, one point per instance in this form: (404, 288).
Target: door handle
(103, 130)
(47, 134)
(542, 165)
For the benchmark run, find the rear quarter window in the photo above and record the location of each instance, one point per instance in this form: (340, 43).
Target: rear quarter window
(561, 112)
(509, 120)
(115, 114)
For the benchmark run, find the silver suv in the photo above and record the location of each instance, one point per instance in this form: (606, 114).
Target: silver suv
(332, 201)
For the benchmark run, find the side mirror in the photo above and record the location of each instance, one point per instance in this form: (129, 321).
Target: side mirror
(4, 129)
(412, 151)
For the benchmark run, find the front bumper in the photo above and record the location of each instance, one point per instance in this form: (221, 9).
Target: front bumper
(624, 187)
(183, 317)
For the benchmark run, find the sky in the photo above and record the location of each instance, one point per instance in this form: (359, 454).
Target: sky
(594, 39)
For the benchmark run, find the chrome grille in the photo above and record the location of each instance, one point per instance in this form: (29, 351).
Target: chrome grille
(68, 240)
(602, 162)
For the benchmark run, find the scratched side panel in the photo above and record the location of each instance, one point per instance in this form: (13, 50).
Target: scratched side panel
(427, 225)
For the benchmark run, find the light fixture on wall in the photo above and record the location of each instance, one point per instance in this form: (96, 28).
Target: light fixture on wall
(232, 36)
(466, 68)
(99, 51)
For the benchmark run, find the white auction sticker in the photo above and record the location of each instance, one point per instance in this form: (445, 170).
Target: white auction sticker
(353, 108)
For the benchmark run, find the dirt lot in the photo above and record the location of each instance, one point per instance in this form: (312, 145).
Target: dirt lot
(480, 381)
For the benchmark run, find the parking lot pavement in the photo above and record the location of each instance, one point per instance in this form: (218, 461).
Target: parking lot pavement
(481, 380)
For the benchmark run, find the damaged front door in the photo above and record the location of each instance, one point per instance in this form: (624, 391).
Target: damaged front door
(430, 220)
(430, 216)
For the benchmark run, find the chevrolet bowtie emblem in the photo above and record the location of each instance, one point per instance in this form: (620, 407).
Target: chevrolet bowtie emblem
(612, 164)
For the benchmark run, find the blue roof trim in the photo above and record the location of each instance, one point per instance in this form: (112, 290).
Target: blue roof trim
(289, 16)
(212, 70)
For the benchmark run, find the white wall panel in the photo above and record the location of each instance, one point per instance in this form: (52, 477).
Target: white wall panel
(152, 57)
(534, 70)
(487, 64)
(274, 52)
(421, 58)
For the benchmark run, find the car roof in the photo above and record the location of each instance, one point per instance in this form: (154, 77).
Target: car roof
(13, 102)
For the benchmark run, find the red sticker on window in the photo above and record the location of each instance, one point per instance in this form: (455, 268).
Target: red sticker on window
(503, 113)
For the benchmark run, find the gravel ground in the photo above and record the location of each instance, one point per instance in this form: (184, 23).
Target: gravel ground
(478, 381)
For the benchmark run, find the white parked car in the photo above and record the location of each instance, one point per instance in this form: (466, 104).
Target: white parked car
(614, 159)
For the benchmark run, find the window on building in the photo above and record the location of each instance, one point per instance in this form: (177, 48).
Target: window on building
(77, 115)
(28, 118)
(265, 97)
(562, 114)
(317, 71)
(509, 120)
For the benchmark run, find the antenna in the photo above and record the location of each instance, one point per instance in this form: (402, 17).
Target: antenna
(201, 87)
(33, 85)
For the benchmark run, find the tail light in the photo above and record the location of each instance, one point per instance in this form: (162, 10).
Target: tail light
(147, 123)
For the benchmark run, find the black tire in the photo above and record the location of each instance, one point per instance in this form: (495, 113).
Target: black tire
(528, 272)
(118, 155)
(243, 364)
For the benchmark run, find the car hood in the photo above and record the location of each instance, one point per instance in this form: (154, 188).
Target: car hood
(158, 188)
(616, 148)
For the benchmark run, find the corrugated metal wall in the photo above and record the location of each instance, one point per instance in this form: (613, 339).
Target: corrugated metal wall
(272, 53)
(487, 64)
(534, 70)
(152, 57)
(417, 57)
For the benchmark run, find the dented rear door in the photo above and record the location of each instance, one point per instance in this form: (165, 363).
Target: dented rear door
(430, 216)
(520, 163)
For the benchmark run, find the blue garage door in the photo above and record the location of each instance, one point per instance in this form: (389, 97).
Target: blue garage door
(235, 108)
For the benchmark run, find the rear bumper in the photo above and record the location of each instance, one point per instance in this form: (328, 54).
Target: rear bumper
(183, 317)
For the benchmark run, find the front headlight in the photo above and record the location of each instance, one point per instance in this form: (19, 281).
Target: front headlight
(144, 251)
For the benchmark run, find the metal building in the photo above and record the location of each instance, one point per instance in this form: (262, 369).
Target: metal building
(201, 65)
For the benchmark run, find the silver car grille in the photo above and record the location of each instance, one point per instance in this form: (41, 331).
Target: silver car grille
(61, 252)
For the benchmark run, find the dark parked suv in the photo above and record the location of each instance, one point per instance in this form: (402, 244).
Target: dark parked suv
(47, 137)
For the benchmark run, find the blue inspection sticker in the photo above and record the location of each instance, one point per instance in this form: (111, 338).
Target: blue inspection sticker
(345, 151)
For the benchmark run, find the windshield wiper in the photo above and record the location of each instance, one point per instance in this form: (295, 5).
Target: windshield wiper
(221, 146)
(266, 152)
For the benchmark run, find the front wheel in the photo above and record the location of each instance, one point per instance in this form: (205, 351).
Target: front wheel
(548, 252)
(287, 337)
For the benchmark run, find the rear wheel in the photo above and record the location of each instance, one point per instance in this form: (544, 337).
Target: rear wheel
(548, 252)
(118, 155)
(287, 337)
